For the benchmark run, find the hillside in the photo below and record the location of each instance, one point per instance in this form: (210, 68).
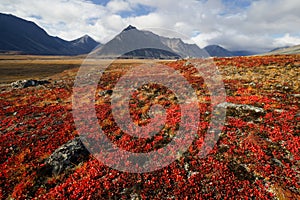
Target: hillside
(285, 50)
(19, 36)
(218, 51)
(26, 37)
(135, 43)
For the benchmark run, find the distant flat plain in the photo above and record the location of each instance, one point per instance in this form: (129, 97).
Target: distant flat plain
(19, 67)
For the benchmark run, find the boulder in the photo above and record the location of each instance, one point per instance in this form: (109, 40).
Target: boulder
(66, 157)
(28, 83)
(242, 107)
(244, 111)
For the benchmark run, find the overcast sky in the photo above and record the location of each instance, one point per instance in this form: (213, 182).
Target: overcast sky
(256, 25)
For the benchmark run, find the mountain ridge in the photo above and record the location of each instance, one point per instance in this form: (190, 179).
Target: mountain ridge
(285, 50)
(135, 43)
(26, 37)
(218, 51)
(17, 34)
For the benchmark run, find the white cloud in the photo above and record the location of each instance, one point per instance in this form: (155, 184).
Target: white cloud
(235, 25)
(286, 40)
(118, 5)
(203, 39)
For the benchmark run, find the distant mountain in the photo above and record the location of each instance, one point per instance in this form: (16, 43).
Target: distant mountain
(218, 51)
(285, 50)
(84, 44)
(183, 49)
(243, 53)
(20, 36)
(278, 48)
(26, 37)
(134, 43)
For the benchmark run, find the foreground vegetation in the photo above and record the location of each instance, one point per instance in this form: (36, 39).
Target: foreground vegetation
(256, 157)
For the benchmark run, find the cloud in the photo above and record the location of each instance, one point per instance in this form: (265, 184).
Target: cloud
(118, 5)
(67, 19)
(257, 25)
(204, 39)
(286, 40)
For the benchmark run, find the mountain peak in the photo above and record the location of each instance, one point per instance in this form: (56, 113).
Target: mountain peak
(218, 51)
(24, 36)
(84, 39)
(86, 36)
(130, 27)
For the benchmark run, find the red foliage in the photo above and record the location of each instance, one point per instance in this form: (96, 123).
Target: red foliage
(34, 122)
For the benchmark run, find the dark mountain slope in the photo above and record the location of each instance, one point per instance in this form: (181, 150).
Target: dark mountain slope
(17, 34)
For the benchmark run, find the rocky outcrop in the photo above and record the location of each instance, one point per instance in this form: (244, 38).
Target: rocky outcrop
(67, 156)
(28, 83)
(247, 112)
(242, 107)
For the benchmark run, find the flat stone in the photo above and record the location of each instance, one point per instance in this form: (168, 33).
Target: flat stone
(247, 112)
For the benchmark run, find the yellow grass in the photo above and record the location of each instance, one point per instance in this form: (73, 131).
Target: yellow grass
(18, 67)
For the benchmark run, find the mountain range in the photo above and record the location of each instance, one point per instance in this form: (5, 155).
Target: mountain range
(218, 51)
(134, 43)
(26, 37)
(286, 50)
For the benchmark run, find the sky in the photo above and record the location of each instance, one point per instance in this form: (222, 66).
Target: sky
(254, 25)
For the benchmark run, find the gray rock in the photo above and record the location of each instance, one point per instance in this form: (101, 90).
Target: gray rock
(242, 107)
(296, 95)
(105, 93)
(252, 84)
(28, 83)
(187, 64)
(66, 156)
(279, 110)
(247, 112)
(286, 88)
(277, 162)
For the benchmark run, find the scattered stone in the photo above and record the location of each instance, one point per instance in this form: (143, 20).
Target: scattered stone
(187, 63)
(277, 162)
(28, 83)
(279, 110)
(66, 156)
(286, 88)
(242, 110)
(296, 95)
(105, 93)
(134, 196)
(242, 107)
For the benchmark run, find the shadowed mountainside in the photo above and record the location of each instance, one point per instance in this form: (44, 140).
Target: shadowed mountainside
(26, 37)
